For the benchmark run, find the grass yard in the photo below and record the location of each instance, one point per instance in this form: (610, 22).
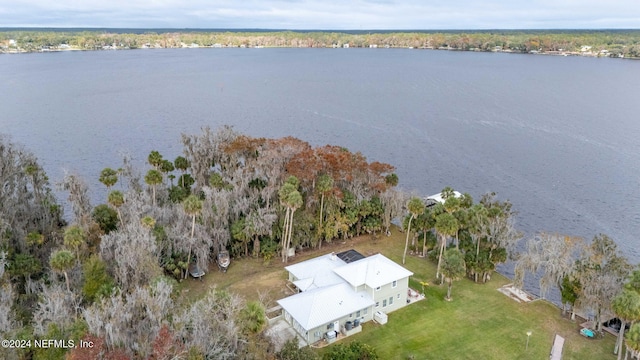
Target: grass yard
(480, 322)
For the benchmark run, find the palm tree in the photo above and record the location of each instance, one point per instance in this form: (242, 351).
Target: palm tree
(476, 218)
(153, 179)
(452, 206)
(192, 206)
(453, 267)
(447, 193)
(116, 199)
(446, 226)
(34, 238)
(626, 306)
(425, 222)
(325, 183)
(291, 199)
(74, 237)
(155, 159)
(240, 233)
(148, 222)
(166, 167)
(181, 164)
(61, 261)
(416, 207)
(293, 202)
(108, 177)
(259, 223)
(633, 340)
(253, 316)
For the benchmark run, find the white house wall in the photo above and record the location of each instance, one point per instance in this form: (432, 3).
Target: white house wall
(398, 294)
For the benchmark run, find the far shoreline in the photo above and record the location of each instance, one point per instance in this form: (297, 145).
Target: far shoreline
(589, 43)
(550, 53)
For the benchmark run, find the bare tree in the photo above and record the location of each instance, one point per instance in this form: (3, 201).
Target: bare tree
(26, 202)
(79, 199)
(3, 259)
(555, 255)
(132, 320)
(56, 306)
(7, 321)
(206, 150)
(133, 252)
(215, 216)
(6, 299)
(259, 223)
(130, 173)
(211, 326)
(601, 273)
(392, 201)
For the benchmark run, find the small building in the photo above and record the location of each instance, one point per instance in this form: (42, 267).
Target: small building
(437, 198)
(338, 292)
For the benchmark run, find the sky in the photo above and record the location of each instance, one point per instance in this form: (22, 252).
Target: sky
(324, 14)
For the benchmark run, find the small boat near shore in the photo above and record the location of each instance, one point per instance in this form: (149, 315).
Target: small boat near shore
(224, 260)
(196, 272)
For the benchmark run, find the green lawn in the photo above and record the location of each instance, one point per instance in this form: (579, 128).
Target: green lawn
(480, 322)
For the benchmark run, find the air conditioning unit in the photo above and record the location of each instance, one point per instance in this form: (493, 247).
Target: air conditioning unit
(380, 317)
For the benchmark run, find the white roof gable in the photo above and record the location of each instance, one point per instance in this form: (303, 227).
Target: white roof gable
(321, 306)
(376, 270)
(316, 272)
(438, 197)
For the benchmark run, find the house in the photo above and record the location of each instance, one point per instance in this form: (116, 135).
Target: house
(338, 292)
(437, 198)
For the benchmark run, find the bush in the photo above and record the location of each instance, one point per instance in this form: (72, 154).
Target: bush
(105, 217)
(290, 351)
(97, 282)
(352, 351)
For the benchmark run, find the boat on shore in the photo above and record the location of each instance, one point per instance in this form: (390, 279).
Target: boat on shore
(195, 271)
(224, 260)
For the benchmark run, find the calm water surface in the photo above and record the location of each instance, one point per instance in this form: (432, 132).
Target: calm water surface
(558, 136)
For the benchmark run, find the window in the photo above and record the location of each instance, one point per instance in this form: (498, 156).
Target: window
(384, 303)
(358, 313)
(351, 315)
(378, 303)
(365, 311)
(378, 288)
(398, 296)
(391, 300)
(394, 283)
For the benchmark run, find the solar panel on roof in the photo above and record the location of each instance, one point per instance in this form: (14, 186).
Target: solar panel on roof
(350, 256)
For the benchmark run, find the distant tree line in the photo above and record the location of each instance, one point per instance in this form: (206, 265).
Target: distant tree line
(616, 42)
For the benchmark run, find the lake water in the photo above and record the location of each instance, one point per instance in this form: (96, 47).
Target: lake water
(557, 136)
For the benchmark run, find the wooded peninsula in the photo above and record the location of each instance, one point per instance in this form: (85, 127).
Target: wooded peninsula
(117, 280)
(600, 43)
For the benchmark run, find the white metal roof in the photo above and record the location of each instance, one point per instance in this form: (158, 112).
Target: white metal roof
(321, 306)
(328, 287)
(376, 270)
(438, 197)
(316, 272)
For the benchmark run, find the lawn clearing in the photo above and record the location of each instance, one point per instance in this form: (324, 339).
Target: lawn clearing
(480, 322)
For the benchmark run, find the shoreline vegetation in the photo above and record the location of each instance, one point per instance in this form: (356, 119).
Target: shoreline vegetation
(593, 43)
(117, 275)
